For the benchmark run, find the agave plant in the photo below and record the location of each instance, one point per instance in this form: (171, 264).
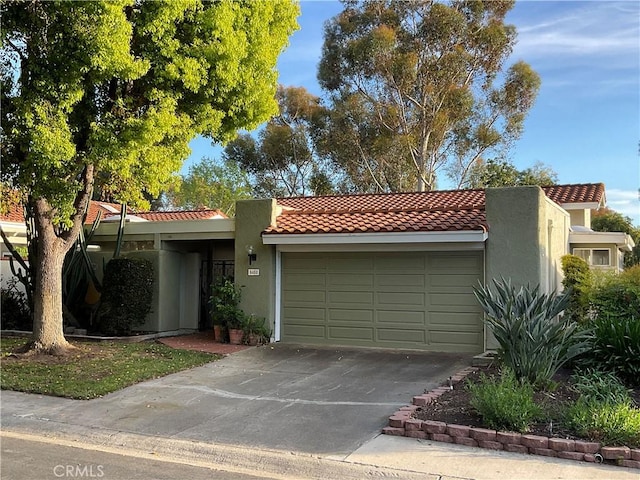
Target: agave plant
(534, 340)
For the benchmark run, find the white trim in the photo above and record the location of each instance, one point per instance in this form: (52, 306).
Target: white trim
(466, 236)
(277, 322)
(384, 247)
(582, 206)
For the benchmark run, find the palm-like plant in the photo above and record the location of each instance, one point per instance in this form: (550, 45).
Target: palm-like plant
(534, 341)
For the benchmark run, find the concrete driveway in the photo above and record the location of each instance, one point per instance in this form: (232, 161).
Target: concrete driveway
(325, 401)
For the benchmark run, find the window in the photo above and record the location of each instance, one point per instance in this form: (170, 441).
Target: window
(596, 257)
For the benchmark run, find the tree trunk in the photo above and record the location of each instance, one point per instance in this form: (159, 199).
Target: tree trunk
(48, 333)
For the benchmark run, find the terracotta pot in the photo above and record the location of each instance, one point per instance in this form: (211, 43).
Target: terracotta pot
(253, 339)
(217, 333)
(235, 336)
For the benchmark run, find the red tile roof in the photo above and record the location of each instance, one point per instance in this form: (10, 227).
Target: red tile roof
(578, 193)
(179, 215)
(436, 211)
(453, 210)
(15, 213)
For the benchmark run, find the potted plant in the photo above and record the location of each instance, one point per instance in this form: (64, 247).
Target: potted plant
(255, 330)
(225, 310)
(236, 328)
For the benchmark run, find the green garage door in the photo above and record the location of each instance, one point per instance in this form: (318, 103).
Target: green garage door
(414, 300)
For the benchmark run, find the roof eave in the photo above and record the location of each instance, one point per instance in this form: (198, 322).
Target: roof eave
(461, 236)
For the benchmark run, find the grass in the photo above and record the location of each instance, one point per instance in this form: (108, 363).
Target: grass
(93, 369)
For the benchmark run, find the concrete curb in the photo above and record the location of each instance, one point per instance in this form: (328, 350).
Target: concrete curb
(275, 464)
(402, 424)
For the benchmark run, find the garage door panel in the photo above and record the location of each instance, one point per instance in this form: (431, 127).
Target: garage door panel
(351, 333)
(399, 317)
(420, 300)
(350, 263)
(455, 320)
(461, 263)
(304, 315)
(467, 280)
(453, 299)
(415, 336)
(305, 280)
(350, 298)
(400, 263)
(455, 338)
(318, 297)
(399, 280)
(302, 333)
(393, 298)
(350, 315)
(351, 280)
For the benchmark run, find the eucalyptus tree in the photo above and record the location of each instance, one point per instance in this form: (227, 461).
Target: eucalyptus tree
(283, 160)
(109, 93)
(423, 77)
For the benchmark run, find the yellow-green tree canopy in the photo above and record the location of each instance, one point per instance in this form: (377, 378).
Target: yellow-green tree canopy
(110, 93)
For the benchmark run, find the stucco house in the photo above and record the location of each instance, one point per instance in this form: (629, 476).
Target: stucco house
(379, 270)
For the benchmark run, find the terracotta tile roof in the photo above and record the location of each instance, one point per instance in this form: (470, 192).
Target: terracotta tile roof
(179, 215)
(437, 211)
(578, 193)
(15, 213)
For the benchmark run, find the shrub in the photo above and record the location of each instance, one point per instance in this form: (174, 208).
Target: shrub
(618, 295)
(225, 301)
(611, 424)
(532, 342)
(577, 281)
(127, 294)
(601, 387)
(615, 347)
(14, 308)
(505, 403)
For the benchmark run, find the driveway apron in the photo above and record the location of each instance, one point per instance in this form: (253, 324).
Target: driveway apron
(324, 401)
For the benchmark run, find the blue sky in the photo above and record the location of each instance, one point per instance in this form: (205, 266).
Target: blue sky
(586, 121)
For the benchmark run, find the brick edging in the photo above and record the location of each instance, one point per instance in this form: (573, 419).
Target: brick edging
(402, 424)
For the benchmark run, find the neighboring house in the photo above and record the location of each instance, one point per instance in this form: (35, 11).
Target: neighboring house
(385, 270)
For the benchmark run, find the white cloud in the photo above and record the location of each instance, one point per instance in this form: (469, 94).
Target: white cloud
(578, 29)
(626, 202)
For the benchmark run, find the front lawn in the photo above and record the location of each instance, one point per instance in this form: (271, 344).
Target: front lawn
(94, 369)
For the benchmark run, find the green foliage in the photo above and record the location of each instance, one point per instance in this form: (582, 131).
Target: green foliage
(533, 343)
(615, 347)
(617, 295)
(256, 326)
(610, 424)
(126, 295)
(284, 161)
(225, 300)
(505, 403)
(95, 369)
(110, 93)
(211, 184)
(413, 89)
(14, 308)
(501, 173)
(600, 386)
(577, 281)
(606, 220)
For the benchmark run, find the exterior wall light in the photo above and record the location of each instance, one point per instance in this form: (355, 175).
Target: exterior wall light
(252, 255)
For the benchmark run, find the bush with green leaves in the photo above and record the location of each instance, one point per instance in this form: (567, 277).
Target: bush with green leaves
(617, 295)
(599, 386)
(577, 282)
(611, 424)
(534, 343)
(615, 347)
(14, 308)
(225, 304)
(505, 402)
(127, 293)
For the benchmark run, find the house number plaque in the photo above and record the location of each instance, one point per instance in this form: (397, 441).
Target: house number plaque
(253, 272)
